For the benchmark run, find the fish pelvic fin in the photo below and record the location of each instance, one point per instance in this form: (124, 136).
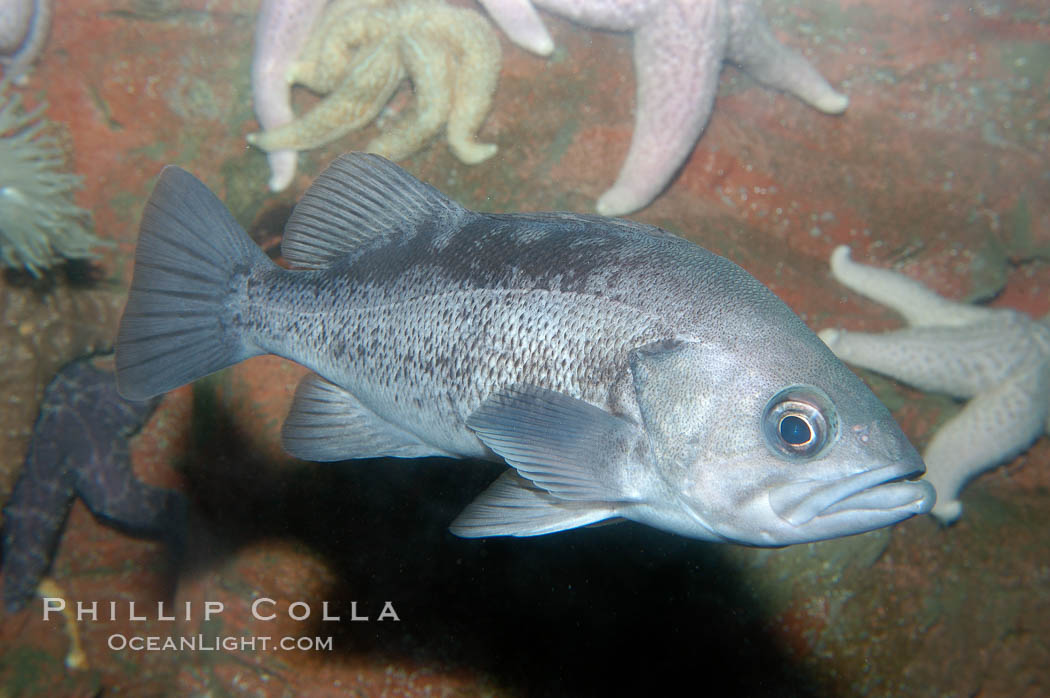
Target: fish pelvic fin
(359, 200)
(513, 506)
(189, 251)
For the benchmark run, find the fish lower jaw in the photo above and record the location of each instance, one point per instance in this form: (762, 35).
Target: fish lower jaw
(912, 496)
(866, 500)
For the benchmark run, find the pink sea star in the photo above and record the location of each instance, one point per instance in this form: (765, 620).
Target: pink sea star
(679, 47)
(281, 32)
(24, 25)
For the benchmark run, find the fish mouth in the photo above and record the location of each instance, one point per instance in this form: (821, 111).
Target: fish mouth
(861, 502)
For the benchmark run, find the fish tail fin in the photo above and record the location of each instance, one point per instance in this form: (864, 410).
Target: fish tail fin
(173, 330)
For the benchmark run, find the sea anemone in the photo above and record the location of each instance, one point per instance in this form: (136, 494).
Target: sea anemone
(40, 226)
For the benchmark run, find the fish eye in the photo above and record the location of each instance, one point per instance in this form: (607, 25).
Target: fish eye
(798, 422)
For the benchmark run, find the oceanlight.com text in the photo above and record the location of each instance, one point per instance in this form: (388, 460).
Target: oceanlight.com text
(213, 643)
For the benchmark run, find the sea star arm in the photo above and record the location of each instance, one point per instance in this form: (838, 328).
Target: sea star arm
(340, 42)
(111, 491)
(478, 59)
(281, 32)
(910, 356)
(993, 428)
(433, 104)
(677, 58)
(81, 434)
(39, 24)
(521, 22)
(16, 19)
(753, 47)
(958, 361)
(365, 90)
(33, 520)
(919, 305)
(428, 59)
(104, 477)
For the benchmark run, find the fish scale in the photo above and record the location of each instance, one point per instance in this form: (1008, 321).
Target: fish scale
(475, 341)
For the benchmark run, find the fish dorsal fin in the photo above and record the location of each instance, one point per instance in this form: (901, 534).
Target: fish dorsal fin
(361, 198)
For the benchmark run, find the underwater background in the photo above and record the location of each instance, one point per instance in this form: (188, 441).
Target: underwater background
(939, 168)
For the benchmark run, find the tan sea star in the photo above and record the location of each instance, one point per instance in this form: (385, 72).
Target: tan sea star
(361, 50)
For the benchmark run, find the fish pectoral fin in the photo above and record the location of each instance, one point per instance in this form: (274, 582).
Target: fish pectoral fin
(513, 506)
(327, 423)
(568, 447)
(360, 199)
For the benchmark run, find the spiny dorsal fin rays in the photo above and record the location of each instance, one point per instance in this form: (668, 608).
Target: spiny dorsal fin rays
(360, 198)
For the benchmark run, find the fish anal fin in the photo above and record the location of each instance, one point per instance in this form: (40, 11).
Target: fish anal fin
(327, 423)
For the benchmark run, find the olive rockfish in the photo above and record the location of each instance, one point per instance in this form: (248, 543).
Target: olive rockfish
(621, 371)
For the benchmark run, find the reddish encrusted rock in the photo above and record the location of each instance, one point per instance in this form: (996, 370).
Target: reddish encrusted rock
(937, 168)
